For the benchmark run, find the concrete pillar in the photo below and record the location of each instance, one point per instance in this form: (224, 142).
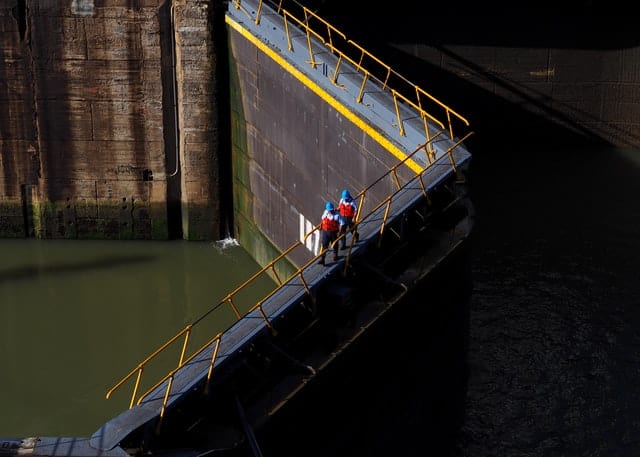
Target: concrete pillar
(197, 67)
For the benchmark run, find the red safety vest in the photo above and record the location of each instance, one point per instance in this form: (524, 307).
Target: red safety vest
(347, 209)
(330, 224)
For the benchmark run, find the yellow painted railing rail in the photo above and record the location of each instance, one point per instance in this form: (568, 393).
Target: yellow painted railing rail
(368, 66)
(270, 270)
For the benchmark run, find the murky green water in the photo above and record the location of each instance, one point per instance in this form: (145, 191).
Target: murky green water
(77, 316)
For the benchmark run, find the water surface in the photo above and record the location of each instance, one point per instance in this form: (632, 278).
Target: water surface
(76, 316)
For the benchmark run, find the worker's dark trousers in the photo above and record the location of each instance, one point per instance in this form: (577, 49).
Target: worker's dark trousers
(348, 226)
(327, 239)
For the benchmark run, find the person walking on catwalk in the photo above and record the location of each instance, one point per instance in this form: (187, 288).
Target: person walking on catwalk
(329, 227)
(347, 208)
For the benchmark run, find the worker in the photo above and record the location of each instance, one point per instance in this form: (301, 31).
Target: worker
(329, 227)
(347, 208)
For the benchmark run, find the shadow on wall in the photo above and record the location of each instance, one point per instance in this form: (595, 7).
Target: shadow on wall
(33, 271)
(522, 112)
(401, 392)
(584, 24)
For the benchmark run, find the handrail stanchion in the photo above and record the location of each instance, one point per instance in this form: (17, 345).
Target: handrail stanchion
(394, 172)
(214, 356)
(312, 60)
(286, 29)
(259, 12)
(135, 389)
(185, 343)
(218, 337)
(334, 78)
(305, 285)
(229, 299)
(267, 322)
(275, 273)
(165, 400)
(384, 220)
(365, 77)
(449, 151)
(398, 117)
(423, 187)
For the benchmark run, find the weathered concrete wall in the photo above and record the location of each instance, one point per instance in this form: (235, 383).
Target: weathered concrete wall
(199, 26)
(86, 135)
(19, 156)
(88, 143)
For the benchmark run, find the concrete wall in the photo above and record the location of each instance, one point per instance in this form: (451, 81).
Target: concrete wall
(203, 117)
(88, 131)
(102, 136)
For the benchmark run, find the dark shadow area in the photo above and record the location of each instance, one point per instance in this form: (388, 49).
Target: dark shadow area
(18, 165)
(20, 13)
(170, 122)
(55, 116)
(223, 120)
(554, 339)
(502, 111)
(500, 123)
(555, 302)
(136, 128)
(34, 271)
(520, 114)
(401, 392)
(573, 25)
(497, 122)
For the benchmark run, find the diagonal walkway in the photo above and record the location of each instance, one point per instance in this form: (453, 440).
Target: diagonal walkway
(395, 126)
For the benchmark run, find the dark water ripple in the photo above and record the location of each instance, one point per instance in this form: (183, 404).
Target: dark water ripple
(554, 348)
(553, 354)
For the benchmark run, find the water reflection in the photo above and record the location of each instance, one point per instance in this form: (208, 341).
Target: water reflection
(554, 343)
(37, 269)
(76, 316)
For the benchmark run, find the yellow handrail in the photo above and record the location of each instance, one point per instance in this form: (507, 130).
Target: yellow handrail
(140, 367)
(327, 38)
(360, 67)
(216, 339)
(270, 269)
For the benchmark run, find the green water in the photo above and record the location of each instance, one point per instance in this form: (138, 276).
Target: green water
(77, 316)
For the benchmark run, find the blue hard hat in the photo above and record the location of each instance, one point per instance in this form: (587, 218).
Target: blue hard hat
(346, 195)
(329, 206)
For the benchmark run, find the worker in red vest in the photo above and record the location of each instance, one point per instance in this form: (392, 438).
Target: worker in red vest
(347, 208)
(329, 227)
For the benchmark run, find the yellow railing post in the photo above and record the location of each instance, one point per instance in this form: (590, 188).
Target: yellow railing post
(135, 388)
(213, 360)
(259, 12)
(185, 343)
